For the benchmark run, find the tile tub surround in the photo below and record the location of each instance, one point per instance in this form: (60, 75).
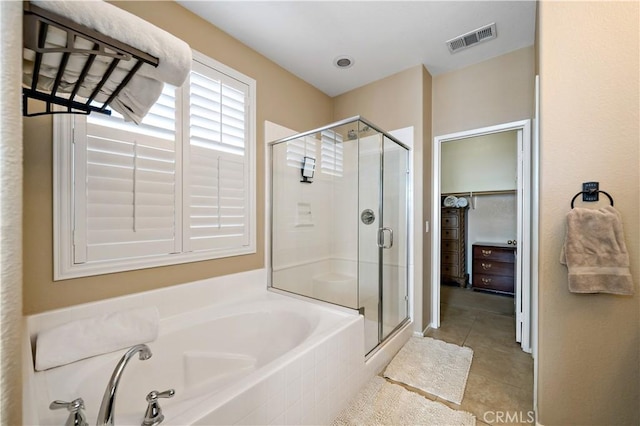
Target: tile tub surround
(310, 390)
(314, 387)
(296, 388)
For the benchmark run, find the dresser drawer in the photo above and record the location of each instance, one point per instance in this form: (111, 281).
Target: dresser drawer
(493, 253)
(450, 258)
(493, 282)
(449, 234)
(450, 270)
(490, 267)
(453, 264)
(450, 221)
(452, 245)
(450, 211)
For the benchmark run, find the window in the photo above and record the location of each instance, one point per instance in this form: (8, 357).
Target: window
(331, 158)
(331, 151)
(299, 148)
(179, 187)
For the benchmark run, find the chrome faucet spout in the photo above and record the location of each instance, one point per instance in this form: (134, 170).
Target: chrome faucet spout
(108, 406)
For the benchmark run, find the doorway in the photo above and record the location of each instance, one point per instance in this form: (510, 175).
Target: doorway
(522, 261)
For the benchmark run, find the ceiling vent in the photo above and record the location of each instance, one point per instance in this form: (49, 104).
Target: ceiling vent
(485, 33)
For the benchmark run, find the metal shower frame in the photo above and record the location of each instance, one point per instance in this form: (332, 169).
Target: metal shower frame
(356, 119)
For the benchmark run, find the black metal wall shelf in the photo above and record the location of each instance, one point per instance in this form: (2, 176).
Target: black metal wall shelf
(37, 24)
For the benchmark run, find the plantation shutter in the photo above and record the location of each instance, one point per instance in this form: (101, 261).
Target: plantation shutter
(217, 176)
(299, 148)
(331, 156)
(125, 184)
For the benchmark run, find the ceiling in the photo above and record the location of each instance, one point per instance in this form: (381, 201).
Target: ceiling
(382, 37)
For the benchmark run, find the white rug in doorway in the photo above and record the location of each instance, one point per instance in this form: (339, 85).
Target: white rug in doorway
(433, 366)
(383, 403)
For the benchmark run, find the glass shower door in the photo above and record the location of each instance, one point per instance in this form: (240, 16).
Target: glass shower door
(394, 237)
(383, 234)
(370, 208)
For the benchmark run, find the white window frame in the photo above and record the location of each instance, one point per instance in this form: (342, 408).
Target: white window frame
(63, 197)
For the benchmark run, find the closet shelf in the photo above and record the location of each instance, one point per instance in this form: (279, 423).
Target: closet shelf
(49, 36)
(474, 193)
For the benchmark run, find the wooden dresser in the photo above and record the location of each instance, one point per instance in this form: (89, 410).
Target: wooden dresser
(453, 260)
(494, 267)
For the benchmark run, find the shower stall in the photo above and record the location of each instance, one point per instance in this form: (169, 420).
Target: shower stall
(339, 221)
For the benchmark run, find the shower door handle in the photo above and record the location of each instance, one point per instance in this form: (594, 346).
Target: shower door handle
(381, 239)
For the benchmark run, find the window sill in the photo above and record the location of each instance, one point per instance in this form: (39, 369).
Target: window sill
(66, 270)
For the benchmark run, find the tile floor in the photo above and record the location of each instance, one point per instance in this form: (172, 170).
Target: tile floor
(500, 384)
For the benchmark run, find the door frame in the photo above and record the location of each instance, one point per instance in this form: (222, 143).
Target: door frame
(524, 246)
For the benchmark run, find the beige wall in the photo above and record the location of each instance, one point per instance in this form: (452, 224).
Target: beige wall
(589, 366)
(396, 102)
(281, 98)
(499, 90)
(481, 163)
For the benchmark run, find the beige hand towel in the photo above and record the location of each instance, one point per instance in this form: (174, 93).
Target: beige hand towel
(595, 253)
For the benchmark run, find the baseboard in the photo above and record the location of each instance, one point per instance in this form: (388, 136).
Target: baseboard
(424, 332)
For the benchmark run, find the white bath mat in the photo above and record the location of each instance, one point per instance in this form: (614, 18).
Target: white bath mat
(433, 366)
(383, 403)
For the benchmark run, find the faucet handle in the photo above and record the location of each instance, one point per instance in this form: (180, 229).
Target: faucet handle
(153, 416)
(154, 395)
(75, 407)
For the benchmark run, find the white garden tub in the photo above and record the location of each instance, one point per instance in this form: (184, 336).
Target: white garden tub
(252, 357)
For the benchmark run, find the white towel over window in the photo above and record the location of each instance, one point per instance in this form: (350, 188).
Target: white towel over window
(144, 89)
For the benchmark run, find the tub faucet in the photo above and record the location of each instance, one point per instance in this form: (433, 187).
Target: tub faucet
(108, 406)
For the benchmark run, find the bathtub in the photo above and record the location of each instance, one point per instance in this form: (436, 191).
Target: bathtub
(255, 358)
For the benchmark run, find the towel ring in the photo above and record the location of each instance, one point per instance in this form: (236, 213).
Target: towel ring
(591, 192)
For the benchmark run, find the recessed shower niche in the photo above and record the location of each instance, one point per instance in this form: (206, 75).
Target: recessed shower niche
(339, 232)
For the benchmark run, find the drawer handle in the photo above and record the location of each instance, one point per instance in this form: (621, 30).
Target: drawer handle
(485, 280)
(486, 266)
(486, 252)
